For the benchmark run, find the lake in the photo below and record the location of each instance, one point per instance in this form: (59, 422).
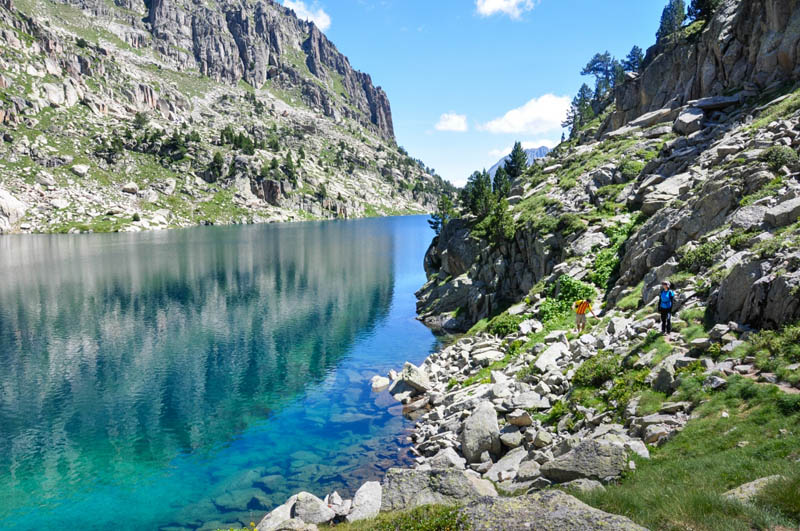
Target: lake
(197, 378)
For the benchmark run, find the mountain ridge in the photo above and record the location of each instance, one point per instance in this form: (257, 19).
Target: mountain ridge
(532, 153)
(145, 115)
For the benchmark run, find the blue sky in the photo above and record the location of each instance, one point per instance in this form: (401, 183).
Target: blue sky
(466, 78)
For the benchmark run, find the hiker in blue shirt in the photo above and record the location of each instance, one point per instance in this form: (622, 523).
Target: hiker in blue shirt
(666, 299)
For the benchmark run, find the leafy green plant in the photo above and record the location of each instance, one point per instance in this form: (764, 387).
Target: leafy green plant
(779, 156)
(570, 223)
(504, 324)
(630, 169)
(596, 370)
(606, 263)
(568, 291)
(701, 256)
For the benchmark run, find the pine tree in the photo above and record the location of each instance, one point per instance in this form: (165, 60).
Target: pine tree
(672, 19)
(216, 165)
(580, 112)
(288, 168)
(444, 213)
(502, 183)
(477, 194)
(606, 71)
(517, 162)
(633, 62)
(703, 9)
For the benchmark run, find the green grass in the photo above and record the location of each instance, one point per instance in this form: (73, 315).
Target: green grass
(680, 487)
(767, 190)
(425, 518)
(478, 327)
(633, 300)
(650, 402)
(774, 351)
(777, 111)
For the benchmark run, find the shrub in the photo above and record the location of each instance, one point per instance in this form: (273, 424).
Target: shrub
(597, 370)
(568, 291)
(699, 257)
(789, 404)
(504, 324)
(82, 43)
(607, 261)
(556, 413)
(570, 223)
(631, 169)
(779, 156)
(140, 120)
(738, 240)
(498, 226)
(605, 264)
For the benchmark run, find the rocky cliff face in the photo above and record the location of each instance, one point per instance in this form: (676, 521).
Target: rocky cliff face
(258, 42)
(749, 44)
(702, 188)
(138, 115)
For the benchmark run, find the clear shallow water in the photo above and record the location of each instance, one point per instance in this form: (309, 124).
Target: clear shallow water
(196, 378)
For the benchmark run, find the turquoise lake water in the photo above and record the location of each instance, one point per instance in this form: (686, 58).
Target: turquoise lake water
(197, 378)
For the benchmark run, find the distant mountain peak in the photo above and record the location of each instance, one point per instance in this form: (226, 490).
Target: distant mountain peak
(533, 154)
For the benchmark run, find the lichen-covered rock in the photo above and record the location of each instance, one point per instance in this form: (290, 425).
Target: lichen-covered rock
(311, 509)
(481, 433)
(11, 211)
(550, 510)
(366, 502)
(747, 492)
(405, 489)
(590, 459)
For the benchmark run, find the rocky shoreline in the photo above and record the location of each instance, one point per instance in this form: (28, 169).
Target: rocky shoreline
(481, 442)
(493, 447)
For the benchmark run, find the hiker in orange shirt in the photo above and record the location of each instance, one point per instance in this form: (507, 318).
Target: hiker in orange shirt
(581, 307)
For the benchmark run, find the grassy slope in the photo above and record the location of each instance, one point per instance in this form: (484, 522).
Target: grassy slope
(680, 487)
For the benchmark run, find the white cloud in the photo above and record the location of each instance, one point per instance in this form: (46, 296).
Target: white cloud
(540, 115)
(512, 8)
(317, 15)
(499, 153)
(451, 121)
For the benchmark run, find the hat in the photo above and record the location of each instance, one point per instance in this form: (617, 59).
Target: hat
(666, 283)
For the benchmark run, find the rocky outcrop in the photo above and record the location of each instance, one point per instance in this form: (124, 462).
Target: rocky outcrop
(404, 489)
(546, 511)
(11, 211)
(263, 42)
(748, 45)
(749, 491)
(590, 459)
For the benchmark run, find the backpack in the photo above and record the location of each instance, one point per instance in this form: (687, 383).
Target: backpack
(666, 299)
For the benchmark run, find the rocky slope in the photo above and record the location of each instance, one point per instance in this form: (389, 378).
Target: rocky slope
(112, 116)
(705, 189)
